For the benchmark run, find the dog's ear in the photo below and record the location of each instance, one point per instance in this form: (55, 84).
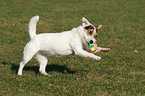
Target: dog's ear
(99, 26)
(85, 22)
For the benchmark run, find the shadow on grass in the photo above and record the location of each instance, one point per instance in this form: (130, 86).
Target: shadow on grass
(49, 68)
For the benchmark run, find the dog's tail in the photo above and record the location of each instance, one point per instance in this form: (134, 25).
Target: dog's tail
(32, 26)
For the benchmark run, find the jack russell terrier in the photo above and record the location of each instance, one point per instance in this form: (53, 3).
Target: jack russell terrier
(59, 44)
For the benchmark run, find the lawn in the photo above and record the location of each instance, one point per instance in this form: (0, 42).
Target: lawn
(120, 71)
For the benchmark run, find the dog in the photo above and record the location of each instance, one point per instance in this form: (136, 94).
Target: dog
(59, 44)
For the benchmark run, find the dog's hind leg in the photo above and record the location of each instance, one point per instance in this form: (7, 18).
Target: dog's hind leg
(42, 58)
(29, 52)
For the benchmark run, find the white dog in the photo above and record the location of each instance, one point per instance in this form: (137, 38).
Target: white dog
(59, 44)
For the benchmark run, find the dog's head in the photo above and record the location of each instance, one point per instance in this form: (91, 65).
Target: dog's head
(91, 32)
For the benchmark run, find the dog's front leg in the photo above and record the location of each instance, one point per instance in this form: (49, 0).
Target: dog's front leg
(84, 53)
(102, 49)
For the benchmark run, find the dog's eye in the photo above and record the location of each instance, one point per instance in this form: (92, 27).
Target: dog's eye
(90, 32)
(96, 36)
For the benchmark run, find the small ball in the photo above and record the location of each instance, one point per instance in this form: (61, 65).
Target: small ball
(92, 47)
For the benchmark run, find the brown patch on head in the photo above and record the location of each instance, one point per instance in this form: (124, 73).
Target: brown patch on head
(95, 34)
(90, 30)
(97, 28)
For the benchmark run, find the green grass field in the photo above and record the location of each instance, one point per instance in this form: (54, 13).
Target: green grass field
(120, 72)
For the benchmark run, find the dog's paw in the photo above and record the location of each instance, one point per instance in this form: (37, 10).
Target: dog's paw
(98, 58)
(46, 74)
(20, 74)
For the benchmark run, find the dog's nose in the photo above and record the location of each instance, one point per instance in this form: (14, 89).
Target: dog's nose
(91, 41)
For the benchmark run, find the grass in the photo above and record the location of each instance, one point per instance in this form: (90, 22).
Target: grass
(120, 72)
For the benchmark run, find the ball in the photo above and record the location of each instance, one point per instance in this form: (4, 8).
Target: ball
(92, 47)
